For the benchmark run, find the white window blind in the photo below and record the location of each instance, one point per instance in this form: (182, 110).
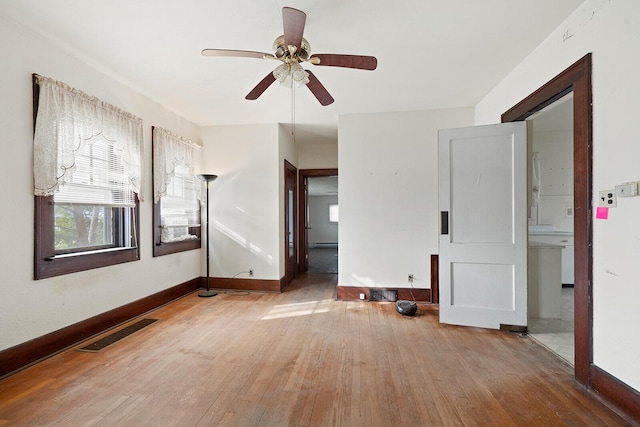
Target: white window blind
(99, 177)
(180, 206)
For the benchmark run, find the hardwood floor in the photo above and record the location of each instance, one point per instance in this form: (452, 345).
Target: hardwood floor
(302, 359)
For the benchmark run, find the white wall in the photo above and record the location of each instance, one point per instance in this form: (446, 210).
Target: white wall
(320, 155)
(29, 308)
(244, 200)
(389, 195)
(611, 30)
(556, 172)
(321, 230)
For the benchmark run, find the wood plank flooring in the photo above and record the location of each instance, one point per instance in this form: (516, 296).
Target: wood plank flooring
(302, 359)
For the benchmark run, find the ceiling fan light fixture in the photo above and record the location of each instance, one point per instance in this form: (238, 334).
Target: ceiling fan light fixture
(288, 74)
(299, 75)
(281, 72)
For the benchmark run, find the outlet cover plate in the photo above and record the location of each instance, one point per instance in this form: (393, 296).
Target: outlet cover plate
(608, 199)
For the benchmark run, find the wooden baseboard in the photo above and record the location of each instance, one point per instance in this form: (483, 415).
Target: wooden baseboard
(352, 293)
(616, 392)
(30, 352)
(244, 284)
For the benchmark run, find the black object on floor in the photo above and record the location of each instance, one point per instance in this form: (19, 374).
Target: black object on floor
(406, 308)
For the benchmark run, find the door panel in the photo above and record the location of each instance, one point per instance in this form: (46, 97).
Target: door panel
(473, 185)
(482, 286)
(483, 247)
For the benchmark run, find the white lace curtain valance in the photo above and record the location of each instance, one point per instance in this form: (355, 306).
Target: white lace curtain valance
(169, 151)
(68, 118)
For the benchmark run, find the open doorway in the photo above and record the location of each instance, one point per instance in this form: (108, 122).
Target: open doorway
(576, 78)
(319, 220)
(551, 238)
(322, 224)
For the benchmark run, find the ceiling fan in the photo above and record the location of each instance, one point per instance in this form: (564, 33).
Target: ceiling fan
(292, 49)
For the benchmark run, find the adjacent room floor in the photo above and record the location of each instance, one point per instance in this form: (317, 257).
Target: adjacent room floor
(323, 260)
(557, 334)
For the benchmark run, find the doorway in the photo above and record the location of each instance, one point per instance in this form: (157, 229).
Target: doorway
(319, 219)
(576, 78)
(322, 224)
(550, 201)
(290, 221)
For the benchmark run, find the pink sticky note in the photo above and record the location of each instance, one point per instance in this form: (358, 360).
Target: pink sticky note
(602, 212)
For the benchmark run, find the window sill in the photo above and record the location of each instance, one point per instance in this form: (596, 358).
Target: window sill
(79, 254)
(160, 249)
(72, 263)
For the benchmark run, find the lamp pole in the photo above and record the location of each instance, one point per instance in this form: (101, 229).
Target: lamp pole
(207, 179)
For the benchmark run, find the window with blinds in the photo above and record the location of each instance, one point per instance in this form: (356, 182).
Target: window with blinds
(88, 181)
(180, 208)
(176, 193)
(91, 209)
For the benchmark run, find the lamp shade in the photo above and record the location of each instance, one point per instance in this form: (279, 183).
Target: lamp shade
(207, 177)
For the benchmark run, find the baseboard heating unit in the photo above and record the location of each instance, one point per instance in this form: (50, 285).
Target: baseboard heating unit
(318, 245)
(390, 295)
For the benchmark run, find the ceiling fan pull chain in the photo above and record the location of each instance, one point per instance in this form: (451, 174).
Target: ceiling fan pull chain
(293, 113)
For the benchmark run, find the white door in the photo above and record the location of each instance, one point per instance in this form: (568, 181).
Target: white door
(483, 235)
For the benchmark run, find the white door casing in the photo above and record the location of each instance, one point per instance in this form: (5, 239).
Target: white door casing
(483, 239)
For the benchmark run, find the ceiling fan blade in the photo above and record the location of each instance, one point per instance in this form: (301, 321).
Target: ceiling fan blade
(293, 21)
(235, 53)
(260, 87)
(318, 90)
(347, 61)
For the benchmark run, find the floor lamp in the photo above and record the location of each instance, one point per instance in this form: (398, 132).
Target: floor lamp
(207, 179)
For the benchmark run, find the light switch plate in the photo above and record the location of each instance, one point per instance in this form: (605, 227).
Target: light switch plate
(628, 189)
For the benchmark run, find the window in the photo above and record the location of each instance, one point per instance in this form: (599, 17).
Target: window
(87, 159)
(91, 210)
(333, 213)
(176, 208)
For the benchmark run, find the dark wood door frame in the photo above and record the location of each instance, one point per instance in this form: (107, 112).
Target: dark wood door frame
(303, 175)
(290, 183)
(576, 78)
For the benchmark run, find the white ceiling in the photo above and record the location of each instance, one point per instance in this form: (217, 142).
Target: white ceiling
(431, 53)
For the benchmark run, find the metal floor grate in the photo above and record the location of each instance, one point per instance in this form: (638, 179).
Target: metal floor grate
(383, 294)
(100, 344)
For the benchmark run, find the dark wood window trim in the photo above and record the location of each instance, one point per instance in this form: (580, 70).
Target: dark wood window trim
(47, 264)
(160, 248)
(576, 78)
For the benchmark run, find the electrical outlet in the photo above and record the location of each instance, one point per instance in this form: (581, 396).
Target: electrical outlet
(250, 273)
(361, 295)
(608, 198)
(410, 278)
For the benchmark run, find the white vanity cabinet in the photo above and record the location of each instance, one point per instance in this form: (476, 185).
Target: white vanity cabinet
(560, 238)
(543, 280)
